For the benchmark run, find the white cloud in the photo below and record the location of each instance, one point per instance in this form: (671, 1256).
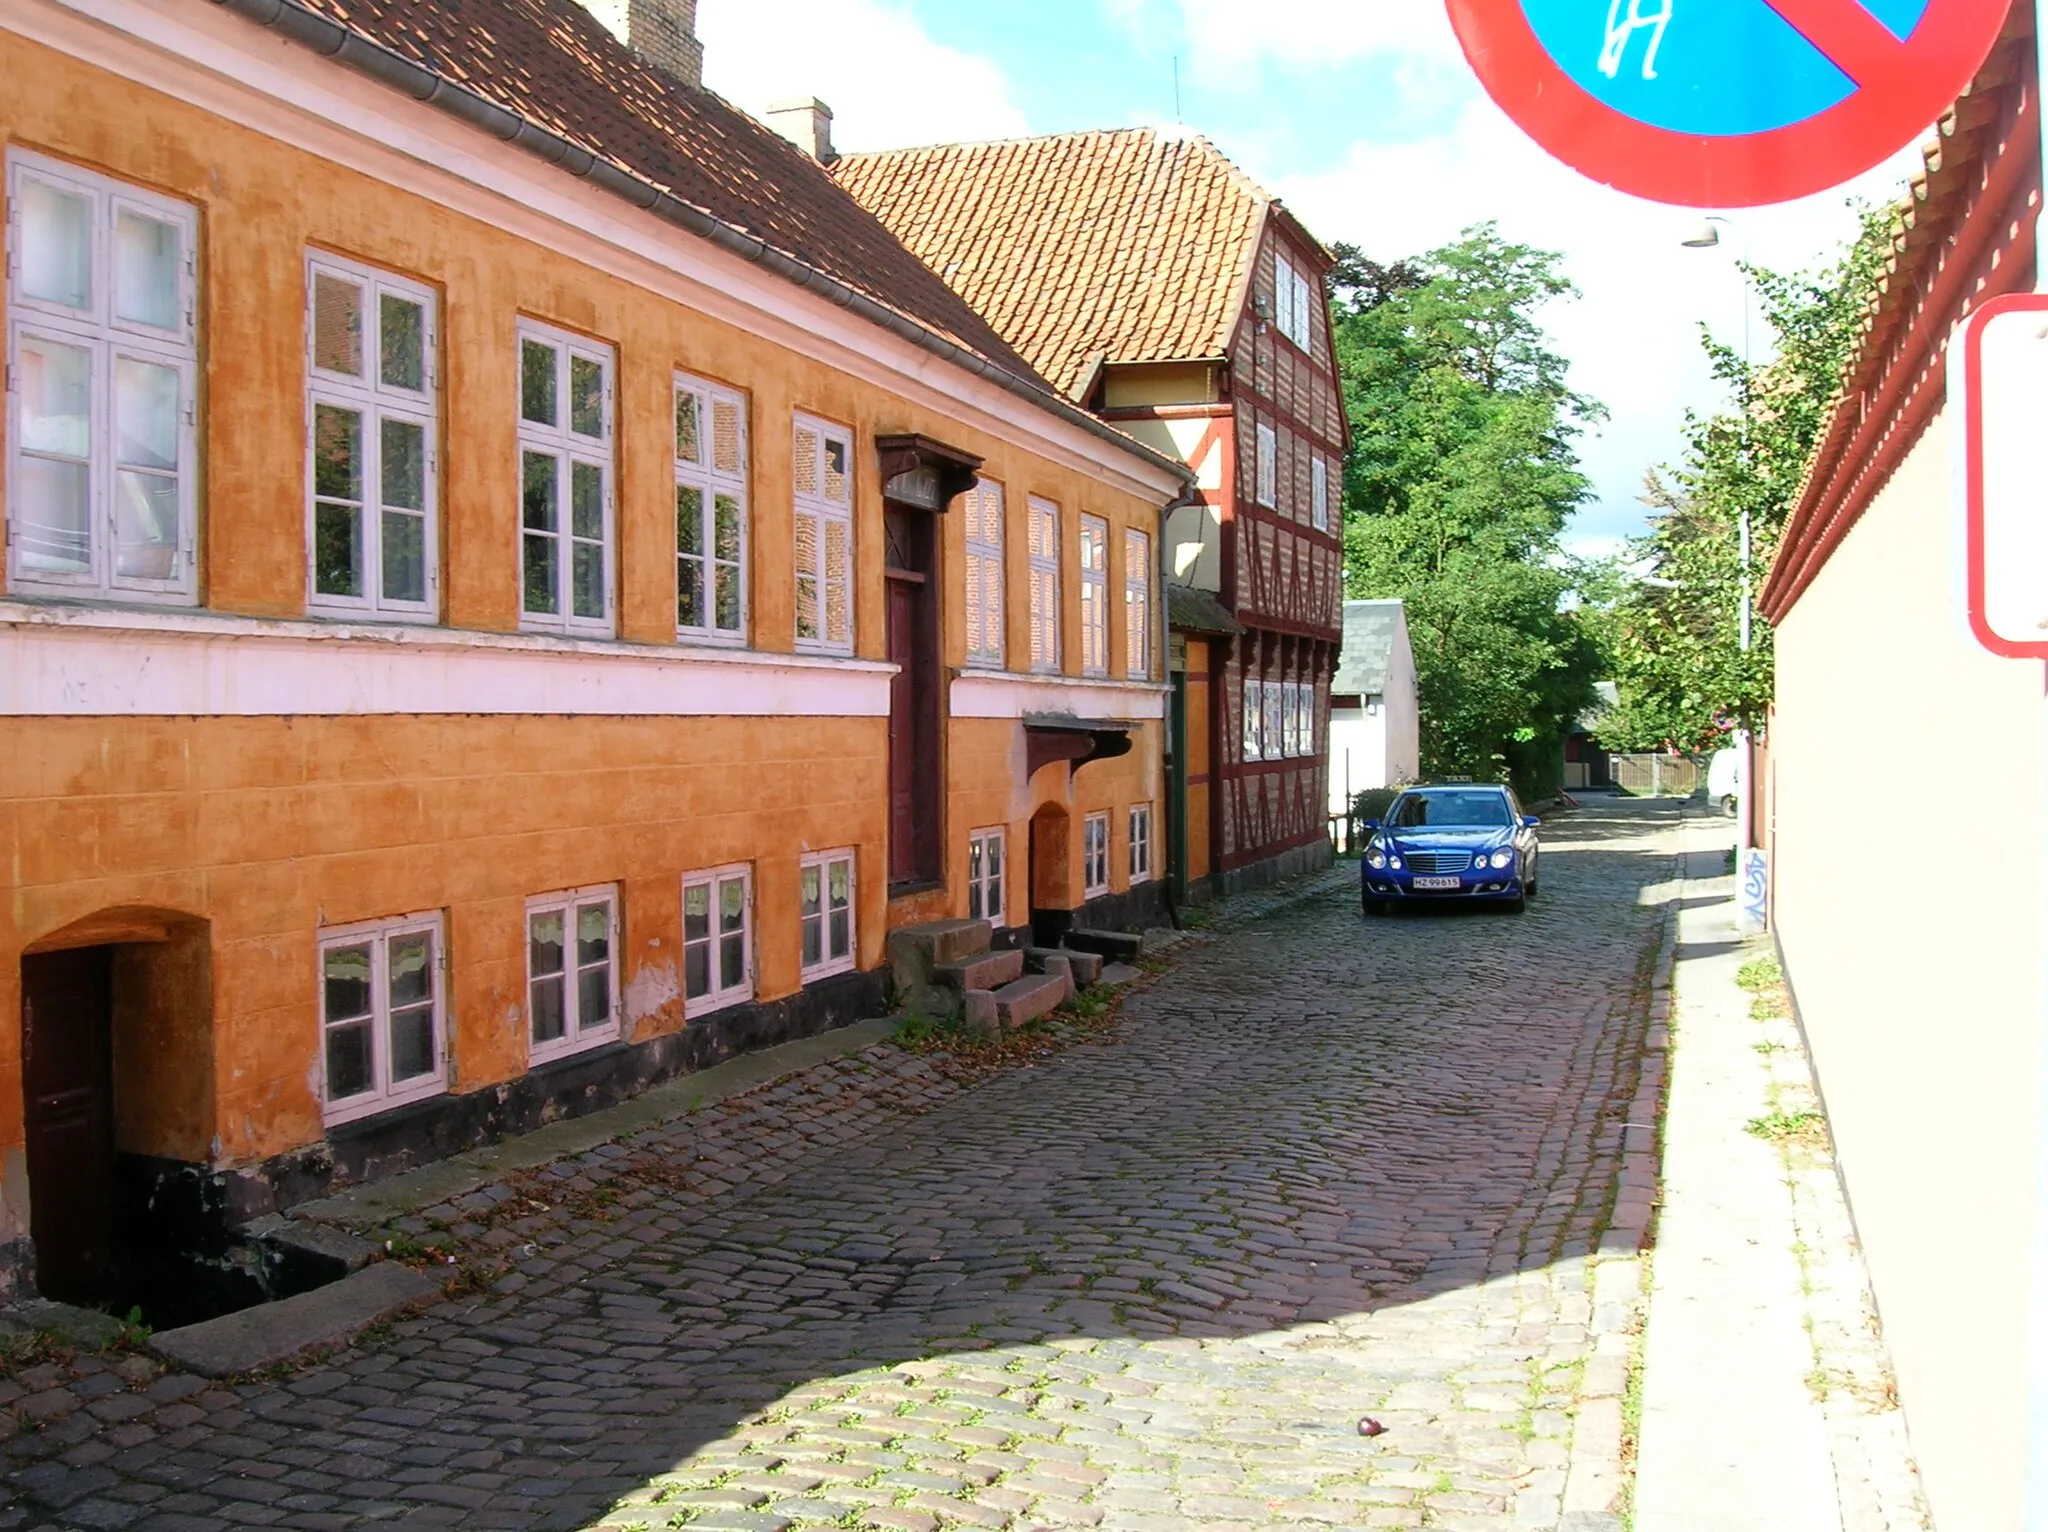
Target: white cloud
(889, 84)
(1223, 35)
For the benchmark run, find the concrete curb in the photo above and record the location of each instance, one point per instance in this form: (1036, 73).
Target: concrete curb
(1596, 1479)
(276, 1332)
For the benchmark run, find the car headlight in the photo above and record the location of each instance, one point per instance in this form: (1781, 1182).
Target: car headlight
(1394, 862)
(1503, 857)
(1376, 858)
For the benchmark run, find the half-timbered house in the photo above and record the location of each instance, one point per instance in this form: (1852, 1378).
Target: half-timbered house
(1155, 283)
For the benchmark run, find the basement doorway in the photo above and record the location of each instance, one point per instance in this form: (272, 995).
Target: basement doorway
(67, 1025)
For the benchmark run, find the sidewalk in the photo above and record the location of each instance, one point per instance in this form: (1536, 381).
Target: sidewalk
(1766, 1404)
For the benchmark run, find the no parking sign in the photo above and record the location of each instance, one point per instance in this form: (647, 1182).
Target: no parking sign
(1726, 103)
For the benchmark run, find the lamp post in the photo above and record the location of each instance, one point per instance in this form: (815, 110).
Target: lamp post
(1707, 236)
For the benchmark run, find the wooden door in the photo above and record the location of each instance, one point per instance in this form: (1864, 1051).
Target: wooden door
(905, 652)
(68, 1090)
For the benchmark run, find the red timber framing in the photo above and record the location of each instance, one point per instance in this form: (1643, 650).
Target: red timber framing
(1965, 236)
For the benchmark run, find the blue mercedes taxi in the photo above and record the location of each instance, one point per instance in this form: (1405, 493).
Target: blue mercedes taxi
(1466, 842)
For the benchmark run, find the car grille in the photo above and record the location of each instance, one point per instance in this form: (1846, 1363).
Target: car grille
(1437, 864)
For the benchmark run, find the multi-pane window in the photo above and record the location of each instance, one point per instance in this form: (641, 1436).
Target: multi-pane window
(572, 971)
(1045, 584)
(1141, 842)
(826, 885)
(1319, 493)
(370, 414)
(711, 512)
(382, 1015)
(1094, 596)
(1137, 605)
(1095, 854)
(718, 948)
(985, 573)
(102, 366)
(1271, 726)
(823, 468)
(565, 481)
(985, 875)
(1295, 720)
(1269, 467)
(1293, 302)
(1254, 718)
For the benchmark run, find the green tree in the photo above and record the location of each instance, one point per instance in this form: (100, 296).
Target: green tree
(1463, 473)
(1673, 630)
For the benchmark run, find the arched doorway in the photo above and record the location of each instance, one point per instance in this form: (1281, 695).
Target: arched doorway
(116, 1019)
(1052, 899)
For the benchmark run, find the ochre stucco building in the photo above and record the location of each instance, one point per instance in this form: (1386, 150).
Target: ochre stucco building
(515, 584)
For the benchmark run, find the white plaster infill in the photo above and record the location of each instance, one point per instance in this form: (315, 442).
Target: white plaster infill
(63, 661)
(1006, 694)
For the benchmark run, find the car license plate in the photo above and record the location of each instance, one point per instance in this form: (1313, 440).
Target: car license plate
(1436, 885)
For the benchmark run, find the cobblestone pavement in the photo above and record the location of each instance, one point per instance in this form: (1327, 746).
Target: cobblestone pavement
(1322, 1169)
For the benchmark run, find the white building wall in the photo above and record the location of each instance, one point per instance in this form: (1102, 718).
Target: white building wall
(1908, 810)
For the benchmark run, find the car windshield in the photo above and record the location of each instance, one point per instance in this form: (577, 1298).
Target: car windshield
(1478, 810)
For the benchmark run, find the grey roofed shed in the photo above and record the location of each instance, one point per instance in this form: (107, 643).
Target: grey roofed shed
(1368, 657)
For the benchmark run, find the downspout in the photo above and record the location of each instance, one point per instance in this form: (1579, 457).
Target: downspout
(1175, 774)
(331, 39)
(2035, 1487)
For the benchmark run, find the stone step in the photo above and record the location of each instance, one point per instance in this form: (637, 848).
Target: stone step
(1026, 999)
(1085, 967)
(916, 953)
(991, 970)
(275, 1332)
(1117, 975)
(1118, 946)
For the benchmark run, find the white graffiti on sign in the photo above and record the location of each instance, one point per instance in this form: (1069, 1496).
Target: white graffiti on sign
(1625, 18)
(1753, 897)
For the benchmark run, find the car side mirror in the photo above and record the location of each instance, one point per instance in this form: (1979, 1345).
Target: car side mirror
(1372, 824)
(1530, 822)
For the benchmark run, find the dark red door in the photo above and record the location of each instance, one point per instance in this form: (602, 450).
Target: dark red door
(68, 1086)
(904, 740)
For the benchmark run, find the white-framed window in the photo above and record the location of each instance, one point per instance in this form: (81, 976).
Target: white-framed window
(383, 1015)
(823, 469)
(825, 883)
(985, 573)
(1137, 605)
(711, 512)
(1141, 842)
(1293, 301)
(567, 540)
(1254, 718)
(1269, 467)
(1045, 584)
(102, 386)
(1094, 596)
(572, 971)
(718, 939)
(1271, 726)
(1319, 493)
(1095, 854)
(1296, 719)
(371, 455)
(985, 871)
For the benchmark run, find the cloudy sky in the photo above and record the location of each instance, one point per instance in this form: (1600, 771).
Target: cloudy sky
(1361, 114)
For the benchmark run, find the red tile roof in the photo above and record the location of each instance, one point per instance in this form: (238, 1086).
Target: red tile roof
(552, 63)
(1130, 245)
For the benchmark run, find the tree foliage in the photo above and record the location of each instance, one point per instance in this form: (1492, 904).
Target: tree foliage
(1673, 629)
(1462, 475)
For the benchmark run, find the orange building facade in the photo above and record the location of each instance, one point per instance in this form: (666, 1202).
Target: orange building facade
(490, 622)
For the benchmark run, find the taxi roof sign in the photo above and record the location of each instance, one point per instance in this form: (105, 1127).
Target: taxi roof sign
(1726, 103)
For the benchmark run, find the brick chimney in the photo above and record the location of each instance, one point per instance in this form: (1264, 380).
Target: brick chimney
(807, 123)
(664, 32)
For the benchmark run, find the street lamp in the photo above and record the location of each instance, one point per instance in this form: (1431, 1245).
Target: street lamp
(1706, 235)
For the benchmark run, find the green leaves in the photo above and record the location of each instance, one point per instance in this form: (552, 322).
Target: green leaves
(1673, 630)
(1462, 476)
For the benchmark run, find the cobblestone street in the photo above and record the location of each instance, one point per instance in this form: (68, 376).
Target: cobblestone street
(1322, 1169)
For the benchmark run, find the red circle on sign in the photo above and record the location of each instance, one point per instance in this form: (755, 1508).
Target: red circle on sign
(1931, 69)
